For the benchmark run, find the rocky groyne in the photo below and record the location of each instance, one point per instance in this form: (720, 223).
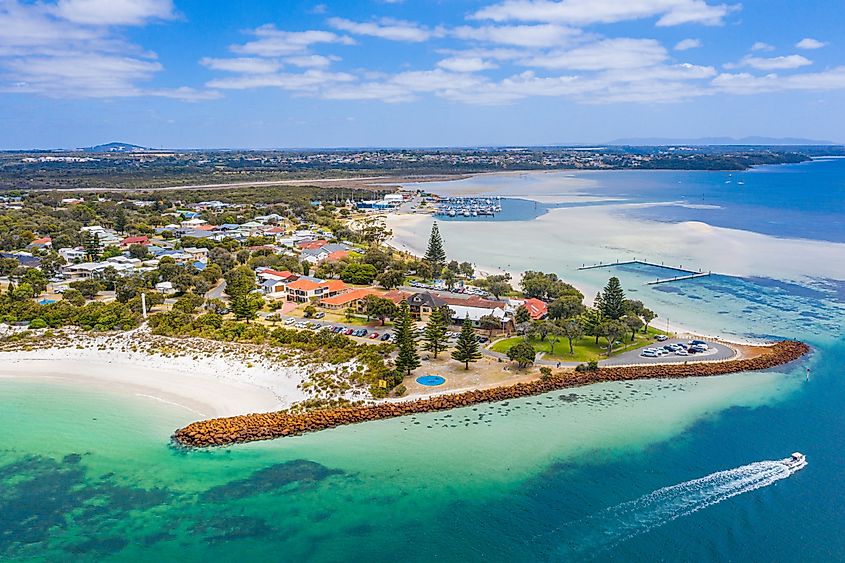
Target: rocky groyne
(266, 426)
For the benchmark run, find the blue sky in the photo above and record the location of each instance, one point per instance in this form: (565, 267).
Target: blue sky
(214, 73)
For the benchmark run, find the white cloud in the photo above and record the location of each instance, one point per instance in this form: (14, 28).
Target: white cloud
(311, 61)
(466, 64)
(308, 81)
(760, 46)
(272, 42)
(114, 12)
(603, 55)
(686, 44)
(810, 43)
(69, 50)
(772, 63)
(394, 30)
(746, 84)
(585, 12)
(544, 35)
(247, 65)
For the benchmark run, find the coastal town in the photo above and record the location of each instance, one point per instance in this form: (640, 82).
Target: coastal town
(320, 279)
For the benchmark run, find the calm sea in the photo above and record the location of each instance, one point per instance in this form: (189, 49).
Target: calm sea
(609, 472)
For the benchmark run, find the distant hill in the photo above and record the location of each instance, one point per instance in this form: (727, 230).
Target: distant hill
(768, 141)
(115, 147)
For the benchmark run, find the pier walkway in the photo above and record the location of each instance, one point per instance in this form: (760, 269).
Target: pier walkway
(685, 273)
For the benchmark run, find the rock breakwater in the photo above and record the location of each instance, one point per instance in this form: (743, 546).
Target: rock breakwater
(267, 426)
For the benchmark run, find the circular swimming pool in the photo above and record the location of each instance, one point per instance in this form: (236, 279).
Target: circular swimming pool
(431, 380)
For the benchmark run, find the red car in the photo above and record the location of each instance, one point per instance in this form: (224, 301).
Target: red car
(348, 331)
(374, 335)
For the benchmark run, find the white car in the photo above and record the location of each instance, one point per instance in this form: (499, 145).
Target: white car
(290, 321)
(681, 352)
(648, 354)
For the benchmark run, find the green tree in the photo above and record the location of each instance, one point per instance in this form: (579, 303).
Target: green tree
(591, 321)
(647, 315)
(379, 308)
(522, 315)
(522, 353)
(435, 339)
(499, 288)
(490, 323)
(222, 258)
(358, 273)
(407, 359)
(634, 323)
(435, 254)
(547, 287)
(74, 297)
(138, 251)
(215, 306)
(309, 311)
(571, 329)
(466, 348)
(120, 219)
(36, 279)
(450, 279)
(613, 330)
(349, 314)
(240, 282)
(52, 264)
(89, 288)
(611, 300)
(188, 303)
(91, 246)
(566, 307)
(466, 269)
(390, 279)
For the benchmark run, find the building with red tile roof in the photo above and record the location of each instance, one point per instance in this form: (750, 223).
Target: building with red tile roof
(142, 240)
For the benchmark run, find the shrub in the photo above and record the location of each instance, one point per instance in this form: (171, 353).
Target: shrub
(545, 372)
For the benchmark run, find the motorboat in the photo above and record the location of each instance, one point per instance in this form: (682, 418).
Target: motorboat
(796, 461)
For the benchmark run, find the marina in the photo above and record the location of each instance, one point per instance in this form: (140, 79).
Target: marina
(469, 206)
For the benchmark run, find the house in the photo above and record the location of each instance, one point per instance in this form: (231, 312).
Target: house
(25, 258)
(354, 299)
(72, 254)
(325, 252)
(475, 314)
(40, 243)
(128, 241)
(422, 304)
(165, 287)
(192, 223)
(270, 274)
(87, 270)
(306, 289)
(536, 308)
(311, 244)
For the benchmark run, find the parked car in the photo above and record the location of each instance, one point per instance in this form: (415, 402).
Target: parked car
(319, 315)
(681, 352)
(648, 354)
(374, 335)
(386, 336)
(661, 338)
(348, 331)
(290, 321)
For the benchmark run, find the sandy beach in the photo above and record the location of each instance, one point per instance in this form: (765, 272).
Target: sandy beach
(206, 386)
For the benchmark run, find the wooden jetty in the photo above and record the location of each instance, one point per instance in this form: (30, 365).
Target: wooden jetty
(686, 274)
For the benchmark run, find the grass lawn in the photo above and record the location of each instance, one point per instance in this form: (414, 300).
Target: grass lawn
(585, 348)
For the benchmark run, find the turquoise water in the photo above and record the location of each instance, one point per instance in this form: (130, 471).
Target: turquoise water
(604, 472)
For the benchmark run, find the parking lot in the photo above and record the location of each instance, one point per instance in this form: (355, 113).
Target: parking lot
(717, 351)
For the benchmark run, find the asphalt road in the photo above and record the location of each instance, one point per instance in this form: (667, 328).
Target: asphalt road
(716, 352)
(322, 322)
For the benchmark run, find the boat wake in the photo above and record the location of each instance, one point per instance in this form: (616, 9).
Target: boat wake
(622, 522)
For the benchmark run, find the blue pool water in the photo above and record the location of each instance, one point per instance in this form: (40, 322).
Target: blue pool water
(431, 380)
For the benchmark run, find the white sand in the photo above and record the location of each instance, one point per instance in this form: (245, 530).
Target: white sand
(208, 387)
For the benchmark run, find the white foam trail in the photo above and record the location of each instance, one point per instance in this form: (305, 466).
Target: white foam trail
(622, 522)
